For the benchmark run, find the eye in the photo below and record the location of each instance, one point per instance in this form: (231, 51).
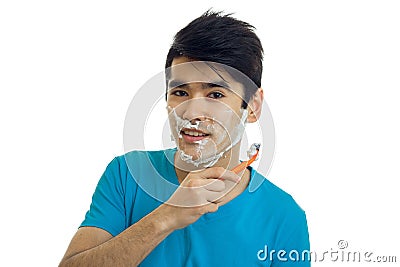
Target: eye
(179, 93)
(216, 95)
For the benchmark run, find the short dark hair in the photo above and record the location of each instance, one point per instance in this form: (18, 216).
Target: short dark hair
(223, 39)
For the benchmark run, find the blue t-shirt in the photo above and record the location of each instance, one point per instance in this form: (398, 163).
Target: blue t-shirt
(261, 228)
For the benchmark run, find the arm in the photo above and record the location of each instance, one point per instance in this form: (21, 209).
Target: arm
(92, 246)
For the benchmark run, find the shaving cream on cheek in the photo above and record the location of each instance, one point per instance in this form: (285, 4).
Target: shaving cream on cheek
(232, 135)
(225, 132)
(177, 123)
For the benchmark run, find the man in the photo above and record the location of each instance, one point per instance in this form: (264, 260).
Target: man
(213, 75)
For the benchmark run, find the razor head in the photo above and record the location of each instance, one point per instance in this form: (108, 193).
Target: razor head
(254, 148)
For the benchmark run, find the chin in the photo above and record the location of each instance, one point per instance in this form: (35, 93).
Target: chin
(200, 155)
(192, 152)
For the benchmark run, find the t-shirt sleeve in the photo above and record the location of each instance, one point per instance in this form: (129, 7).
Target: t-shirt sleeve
(107, 208)
(296, 246)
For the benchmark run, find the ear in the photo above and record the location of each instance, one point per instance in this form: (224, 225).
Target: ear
(255, 106)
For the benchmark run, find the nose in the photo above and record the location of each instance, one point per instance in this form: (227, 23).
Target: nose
(194, 110)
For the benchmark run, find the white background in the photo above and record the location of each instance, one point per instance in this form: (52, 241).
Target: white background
(68, 71)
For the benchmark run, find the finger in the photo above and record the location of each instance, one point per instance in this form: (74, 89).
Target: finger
(212, 207)
(213, 197)
(231, 176)
(215, 185)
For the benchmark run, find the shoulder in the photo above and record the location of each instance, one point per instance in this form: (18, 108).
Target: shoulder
(123, 166)
(278, 201)
(143, 156)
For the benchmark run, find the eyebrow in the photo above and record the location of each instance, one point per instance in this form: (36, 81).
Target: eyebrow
(208, 85)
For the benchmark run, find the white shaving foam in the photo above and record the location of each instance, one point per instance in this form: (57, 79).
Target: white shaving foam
(211, 160)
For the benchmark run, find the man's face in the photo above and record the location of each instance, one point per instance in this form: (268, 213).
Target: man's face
(204, 106)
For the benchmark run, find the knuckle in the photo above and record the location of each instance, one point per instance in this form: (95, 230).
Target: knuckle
(193, 183)
(220, 171)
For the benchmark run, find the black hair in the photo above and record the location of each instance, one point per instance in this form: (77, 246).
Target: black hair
(223, 39)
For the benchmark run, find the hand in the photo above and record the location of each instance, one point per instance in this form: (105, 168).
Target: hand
(199, 193)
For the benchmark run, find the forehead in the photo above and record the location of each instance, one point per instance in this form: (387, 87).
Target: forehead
(186, 71)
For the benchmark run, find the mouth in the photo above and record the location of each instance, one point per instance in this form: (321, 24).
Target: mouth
(193, 135)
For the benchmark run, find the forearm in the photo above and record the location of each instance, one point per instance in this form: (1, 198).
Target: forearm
(128, 248)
